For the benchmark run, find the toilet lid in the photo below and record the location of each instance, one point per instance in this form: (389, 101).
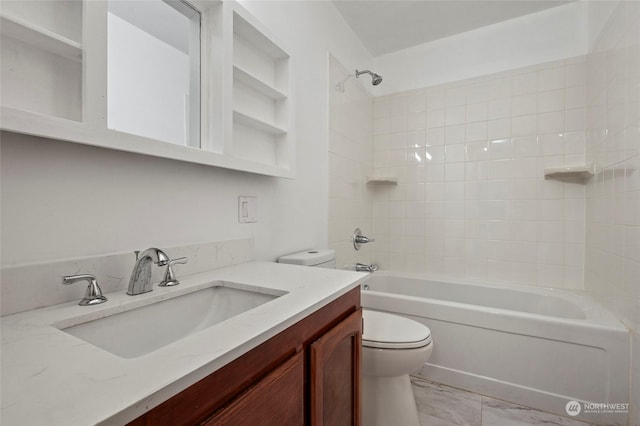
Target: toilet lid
(387, 331)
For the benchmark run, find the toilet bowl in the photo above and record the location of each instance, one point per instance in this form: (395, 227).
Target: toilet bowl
(392, 347)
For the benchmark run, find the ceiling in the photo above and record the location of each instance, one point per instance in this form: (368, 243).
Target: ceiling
(390, 25)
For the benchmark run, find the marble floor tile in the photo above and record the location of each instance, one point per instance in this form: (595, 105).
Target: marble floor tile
(501, 413)
(440, 405)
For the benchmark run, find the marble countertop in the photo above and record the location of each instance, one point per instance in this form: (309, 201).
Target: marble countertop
(50, 377)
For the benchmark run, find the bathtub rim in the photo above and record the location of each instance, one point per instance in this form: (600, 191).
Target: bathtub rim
(595, 313)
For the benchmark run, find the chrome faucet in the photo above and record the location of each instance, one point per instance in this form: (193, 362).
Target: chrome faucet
(140, 281)
(361, 267)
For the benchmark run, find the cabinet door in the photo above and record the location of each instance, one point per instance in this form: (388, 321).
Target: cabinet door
(278, 399)
(335, 374)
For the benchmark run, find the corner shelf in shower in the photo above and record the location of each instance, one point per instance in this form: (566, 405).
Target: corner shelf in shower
(382, 180)
(573, 172)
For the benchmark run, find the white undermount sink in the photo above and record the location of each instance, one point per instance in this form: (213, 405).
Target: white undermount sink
(144, 329)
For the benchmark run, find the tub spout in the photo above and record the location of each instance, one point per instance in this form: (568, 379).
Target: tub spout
(361, 267)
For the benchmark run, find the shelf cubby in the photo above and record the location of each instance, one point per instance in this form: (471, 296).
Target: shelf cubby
(54, 84)
(41, 64)
(41, 38)
(257, 124)
(245, 77)
(262, 106)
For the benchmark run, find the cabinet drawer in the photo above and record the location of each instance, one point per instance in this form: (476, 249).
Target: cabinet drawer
(278, 399)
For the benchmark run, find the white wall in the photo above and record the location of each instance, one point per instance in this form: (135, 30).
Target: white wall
(62, 200)
(549, 35)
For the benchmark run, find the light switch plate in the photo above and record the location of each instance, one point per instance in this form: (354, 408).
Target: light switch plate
(247, 209)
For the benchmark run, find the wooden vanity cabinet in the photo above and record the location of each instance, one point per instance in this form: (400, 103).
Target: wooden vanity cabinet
(335, 374)
(307, 374)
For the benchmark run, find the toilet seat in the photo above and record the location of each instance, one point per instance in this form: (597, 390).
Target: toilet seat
(387, 331)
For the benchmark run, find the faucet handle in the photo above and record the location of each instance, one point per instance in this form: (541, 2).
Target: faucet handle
(169, 276)
(93, 294)
(359, 239)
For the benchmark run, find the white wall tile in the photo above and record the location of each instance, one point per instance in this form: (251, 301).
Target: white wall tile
(455, 115)
(612, 240)
(574, 120)
(416, 120)
(475, 191)
(499, 129)
(499, 108)
(551, 122)
(436, 98)
(549, 79)
(552, 100)
(575, 97)
(525, 125)
(477, 112)
(436, 118)
(525, 83)
(398, 123)
(455, 153)
(454, 172)
(551, 144)
(417, 102)
(477, 92)
(456, 96)
(525, 104)
(476, 131)
(435, 136)
(454, 134)
(397, 105)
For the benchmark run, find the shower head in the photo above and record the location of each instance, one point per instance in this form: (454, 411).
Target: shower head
(375, 78)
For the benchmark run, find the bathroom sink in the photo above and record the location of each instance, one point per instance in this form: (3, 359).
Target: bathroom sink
(144, 329)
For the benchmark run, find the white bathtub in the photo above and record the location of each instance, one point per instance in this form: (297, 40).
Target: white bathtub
(536, 347)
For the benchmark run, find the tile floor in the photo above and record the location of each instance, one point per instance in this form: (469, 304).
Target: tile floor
(440, 405)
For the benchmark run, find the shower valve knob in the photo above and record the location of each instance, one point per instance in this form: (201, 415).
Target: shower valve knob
(359, 239)
(363, 240)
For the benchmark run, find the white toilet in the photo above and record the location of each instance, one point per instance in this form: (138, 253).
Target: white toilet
(392, 347)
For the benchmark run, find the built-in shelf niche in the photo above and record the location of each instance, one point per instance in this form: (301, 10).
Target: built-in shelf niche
(42, 57)
(54, 85)
(261, 95)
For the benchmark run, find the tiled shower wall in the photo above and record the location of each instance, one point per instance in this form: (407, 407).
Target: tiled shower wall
(613, 195)
(350, 161)
(472, 200)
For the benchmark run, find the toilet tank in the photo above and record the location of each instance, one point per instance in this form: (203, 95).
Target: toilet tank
(323, 258)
